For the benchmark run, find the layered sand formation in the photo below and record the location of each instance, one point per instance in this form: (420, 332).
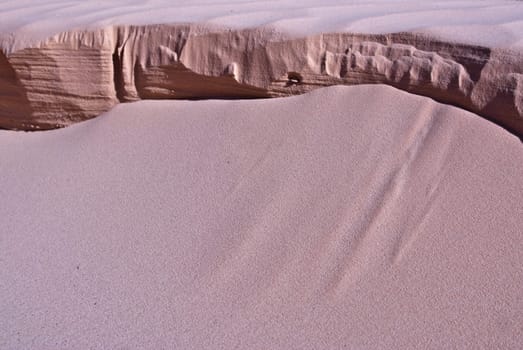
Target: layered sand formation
(321, 221)
(78, 75)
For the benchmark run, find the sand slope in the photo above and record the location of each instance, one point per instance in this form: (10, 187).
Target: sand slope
(350, 217)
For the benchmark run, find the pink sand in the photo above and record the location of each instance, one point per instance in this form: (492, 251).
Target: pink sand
(351, 217)
(492, 23)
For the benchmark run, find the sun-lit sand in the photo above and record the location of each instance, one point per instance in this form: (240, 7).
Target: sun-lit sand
(361, 217)
(485, 22)
(351, 217)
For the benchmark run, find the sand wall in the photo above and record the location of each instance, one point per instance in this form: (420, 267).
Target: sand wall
(78, 75)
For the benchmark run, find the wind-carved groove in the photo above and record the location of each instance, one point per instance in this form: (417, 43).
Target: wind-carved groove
(195, 62)
(380, 238)
(344, 70)
(119, 87)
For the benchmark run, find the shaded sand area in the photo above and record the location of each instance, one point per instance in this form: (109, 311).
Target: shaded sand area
(350, 217)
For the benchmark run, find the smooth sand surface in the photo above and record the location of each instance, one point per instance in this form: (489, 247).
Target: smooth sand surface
(493, 23)
(351, 217)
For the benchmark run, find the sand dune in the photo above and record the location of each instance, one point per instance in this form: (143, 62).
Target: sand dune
(361, 217)
(350, 217)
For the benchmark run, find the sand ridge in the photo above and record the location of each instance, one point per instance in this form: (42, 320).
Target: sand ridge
(67, 61)
(78, 75)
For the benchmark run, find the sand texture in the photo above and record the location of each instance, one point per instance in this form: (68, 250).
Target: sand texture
(491, 23)
(78, 75)
(255, 174)
(356, 217)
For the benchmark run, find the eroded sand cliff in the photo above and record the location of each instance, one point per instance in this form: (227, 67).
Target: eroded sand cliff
(78, 75)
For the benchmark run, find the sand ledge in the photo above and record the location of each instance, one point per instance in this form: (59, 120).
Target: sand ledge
(78, 75)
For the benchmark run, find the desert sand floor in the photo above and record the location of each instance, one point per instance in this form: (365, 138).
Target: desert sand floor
(351, 217)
